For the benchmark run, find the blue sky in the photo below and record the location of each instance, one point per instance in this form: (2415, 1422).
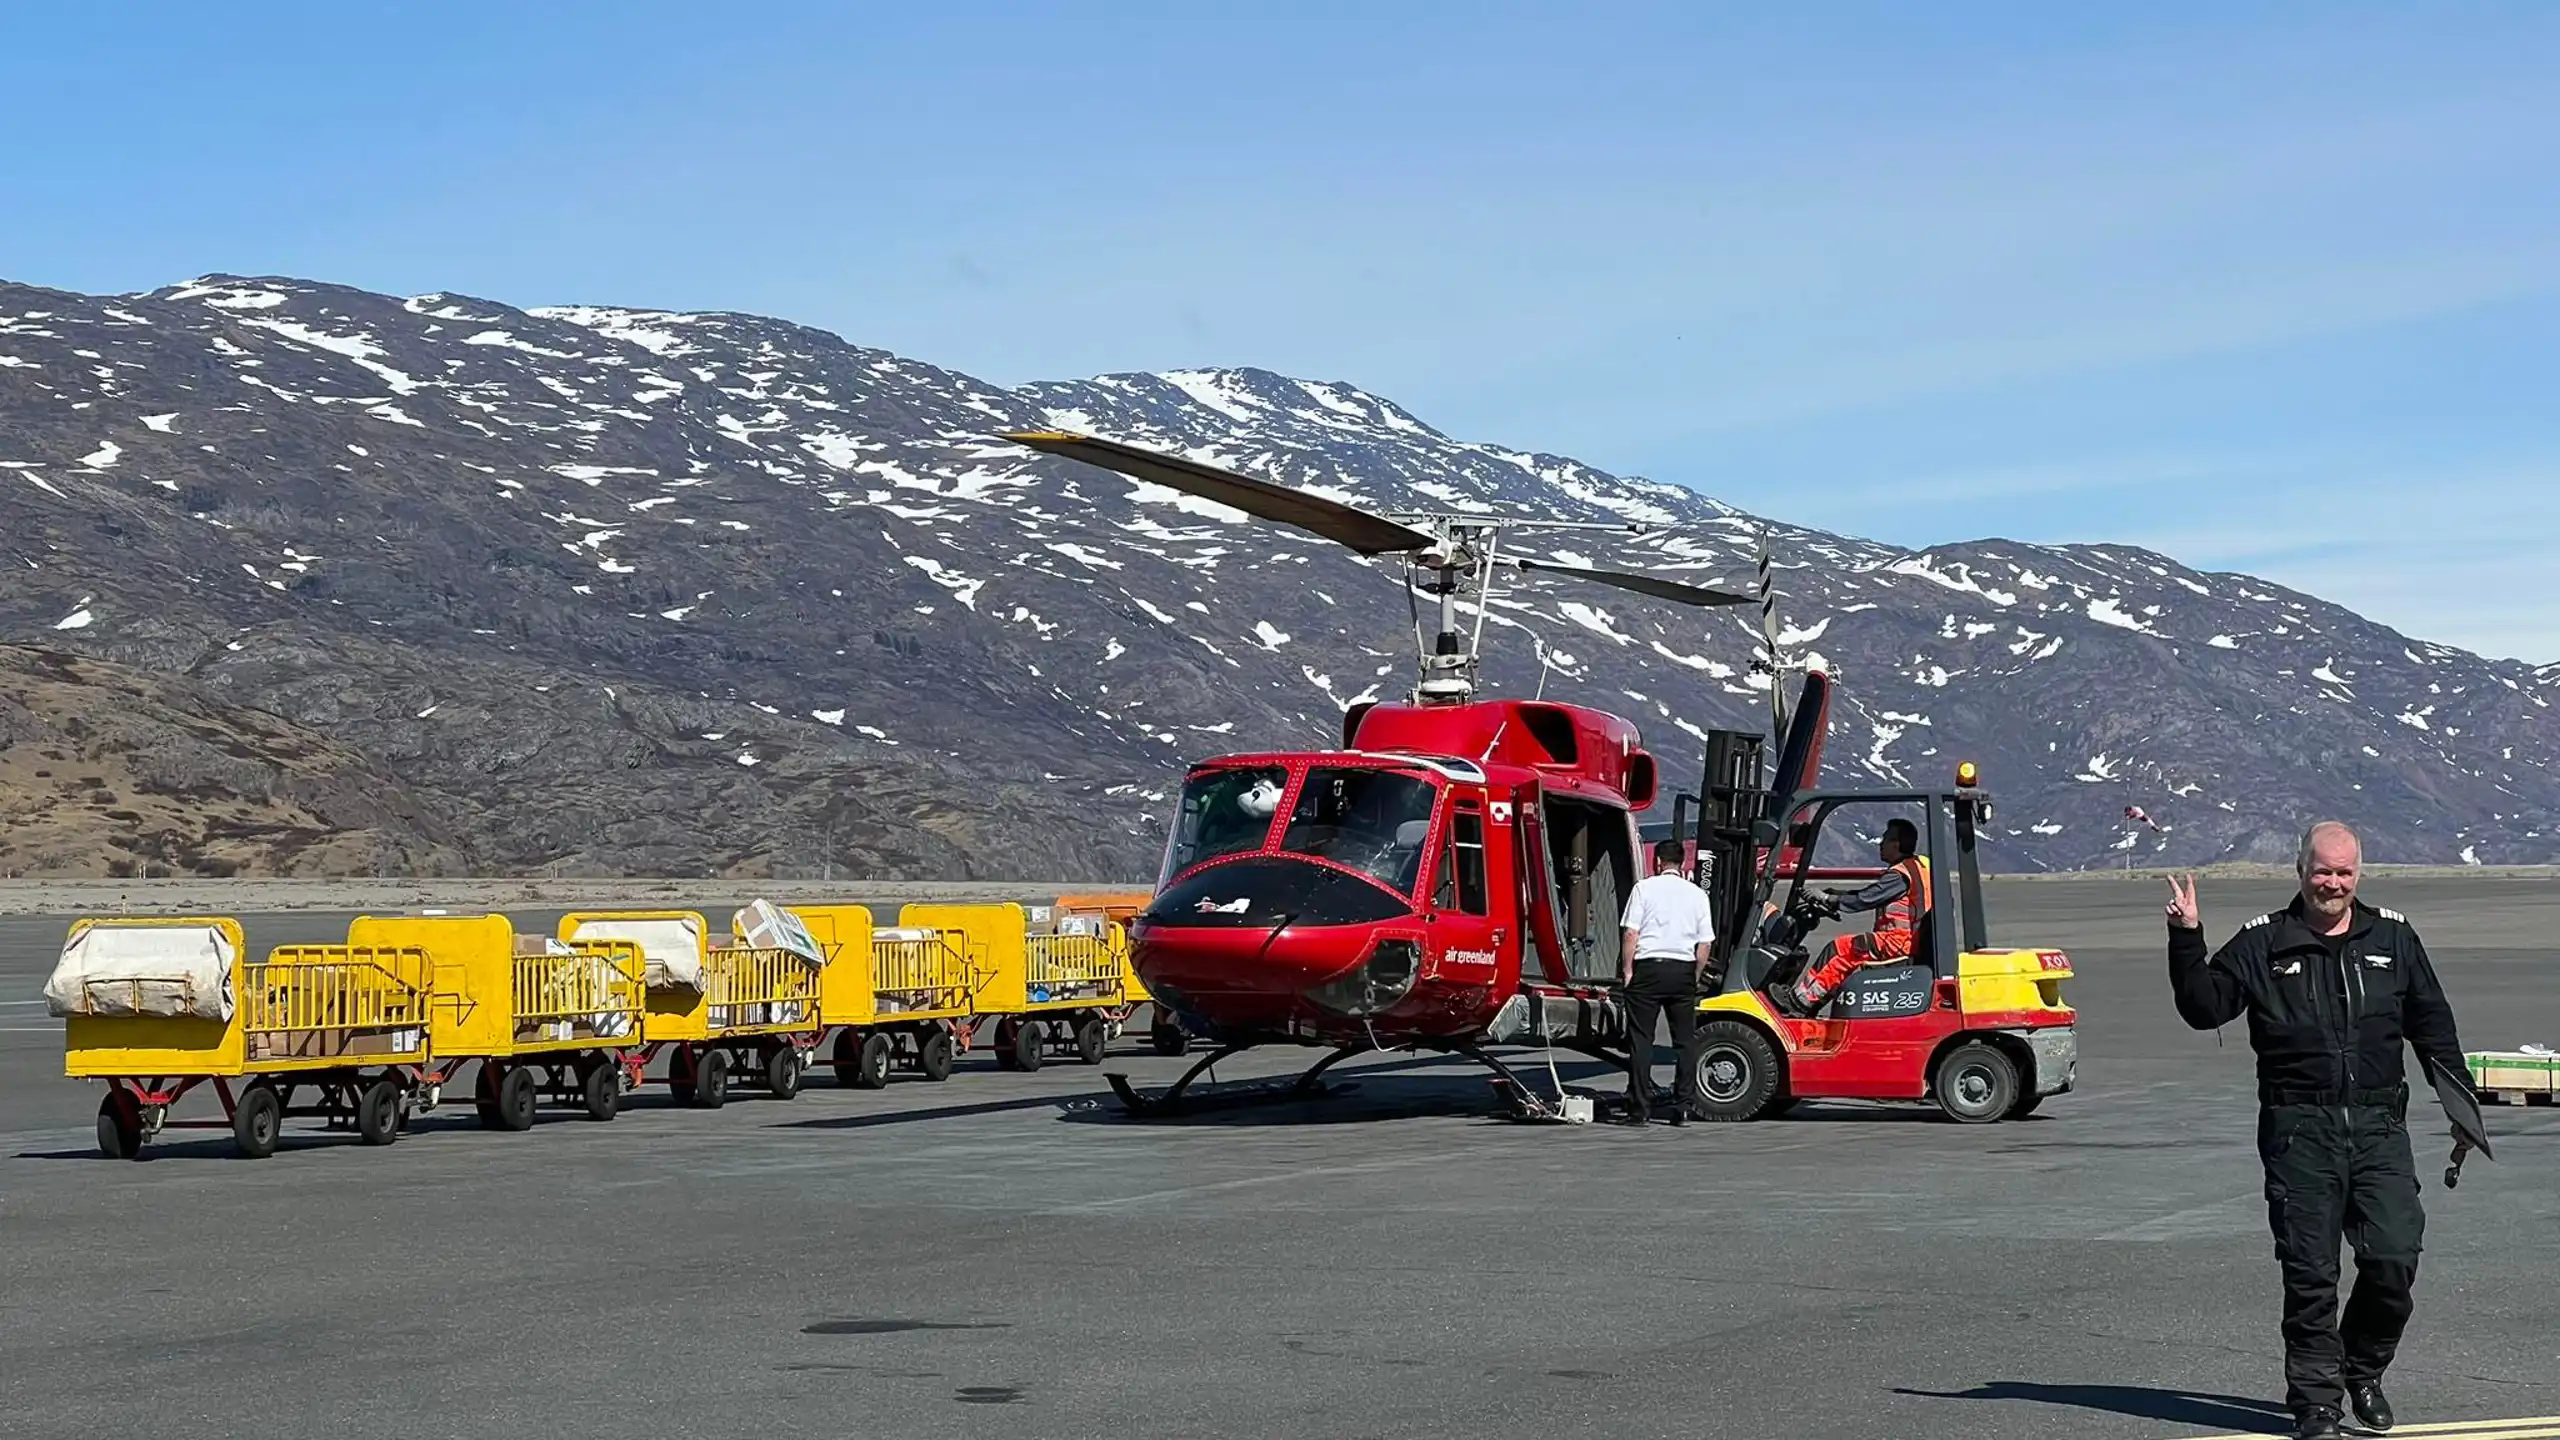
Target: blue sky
(2274, 288)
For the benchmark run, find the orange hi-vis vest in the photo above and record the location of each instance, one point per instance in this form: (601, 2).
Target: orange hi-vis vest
(1905, 913)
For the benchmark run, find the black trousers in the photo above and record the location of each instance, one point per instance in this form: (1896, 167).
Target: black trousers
(2340, 1174)
(1661, 987)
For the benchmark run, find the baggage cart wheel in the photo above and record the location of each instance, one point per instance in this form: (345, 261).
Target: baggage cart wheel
(933, 1055)
(1975, 1083)
(1169, 1039)
(871, 1063)
(782, 1071)
(517, 1092)
(257, 1120)
(120, 1126)
(1093, 1037)
(601, 1091)
(847, 1057)
(1027, 1048)
(1738, 1071)
(711, 1079)
(378, 1112)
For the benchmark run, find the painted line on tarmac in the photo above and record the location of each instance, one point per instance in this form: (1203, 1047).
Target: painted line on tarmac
(5, 1004)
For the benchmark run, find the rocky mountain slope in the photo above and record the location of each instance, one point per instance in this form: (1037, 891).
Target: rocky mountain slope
(614, 591)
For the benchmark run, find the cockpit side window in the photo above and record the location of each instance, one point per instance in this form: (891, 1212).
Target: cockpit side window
(1466, 856)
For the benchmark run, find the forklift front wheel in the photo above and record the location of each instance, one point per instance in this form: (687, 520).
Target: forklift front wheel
(1738, 1071)
(1976, 1084)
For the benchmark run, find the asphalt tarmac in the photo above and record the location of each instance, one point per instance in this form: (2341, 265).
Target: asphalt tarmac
(1003, 1254)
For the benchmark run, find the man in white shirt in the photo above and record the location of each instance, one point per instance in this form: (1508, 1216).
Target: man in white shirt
(1669, 927)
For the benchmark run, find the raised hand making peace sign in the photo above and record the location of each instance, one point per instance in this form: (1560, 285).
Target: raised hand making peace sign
(2183, 911)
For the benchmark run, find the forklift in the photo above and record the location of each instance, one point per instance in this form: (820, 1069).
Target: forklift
(1980, 1031)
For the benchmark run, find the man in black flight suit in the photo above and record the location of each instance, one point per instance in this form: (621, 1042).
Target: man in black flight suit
(2331, 987)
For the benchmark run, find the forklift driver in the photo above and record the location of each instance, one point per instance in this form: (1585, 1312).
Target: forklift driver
(1899, 897)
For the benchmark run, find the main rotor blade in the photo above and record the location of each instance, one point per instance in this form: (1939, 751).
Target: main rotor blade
(1643, 584)
(1369, 534)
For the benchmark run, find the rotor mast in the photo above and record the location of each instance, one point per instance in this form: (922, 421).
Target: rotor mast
(1450, 556)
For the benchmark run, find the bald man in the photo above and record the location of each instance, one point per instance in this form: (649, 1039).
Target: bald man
(2332, 987)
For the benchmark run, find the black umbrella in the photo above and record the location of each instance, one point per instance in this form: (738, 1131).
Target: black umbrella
(2462, 1107)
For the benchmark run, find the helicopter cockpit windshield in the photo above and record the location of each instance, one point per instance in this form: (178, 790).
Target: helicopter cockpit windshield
(1372, 821)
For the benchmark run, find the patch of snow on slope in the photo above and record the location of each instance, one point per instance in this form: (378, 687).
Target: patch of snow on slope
(1212, 392)
(1593, 619)
(2108, 612)
(104, 457)
(79, 619)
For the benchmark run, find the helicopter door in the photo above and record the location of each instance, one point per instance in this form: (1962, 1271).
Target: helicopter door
(1541, 943)
(1465, 940)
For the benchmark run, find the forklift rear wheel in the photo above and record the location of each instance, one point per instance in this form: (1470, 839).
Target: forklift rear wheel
(2024, 1106)
(1976, 1084)
(1169, 1040)
(1737, 1071)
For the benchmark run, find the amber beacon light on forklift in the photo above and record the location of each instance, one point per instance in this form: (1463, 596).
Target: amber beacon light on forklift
(1976, 1028)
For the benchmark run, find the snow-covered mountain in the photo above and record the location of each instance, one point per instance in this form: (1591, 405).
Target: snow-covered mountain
(629, 591)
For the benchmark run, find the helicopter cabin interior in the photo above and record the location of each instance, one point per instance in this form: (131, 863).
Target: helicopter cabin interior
(1591, 869)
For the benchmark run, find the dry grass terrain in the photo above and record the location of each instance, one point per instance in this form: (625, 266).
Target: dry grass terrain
(110, 771)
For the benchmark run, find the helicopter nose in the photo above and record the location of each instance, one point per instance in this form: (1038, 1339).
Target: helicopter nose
(1242, 979)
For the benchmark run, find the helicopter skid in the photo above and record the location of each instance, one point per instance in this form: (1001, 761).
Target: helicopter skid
(1180, 1099)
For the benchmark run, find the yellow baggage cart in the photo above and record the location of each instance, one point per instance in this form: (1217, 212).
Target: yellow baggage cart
(158, 1007)
(716, 1008)
(890, 995)
(540, 1018)
(1057, 984)
(1165, 1034)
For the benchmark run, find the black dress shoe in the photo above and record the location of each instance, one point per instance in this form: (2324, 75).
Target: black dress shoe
(2320, 1422)
(2373, 1409)
(1631, 1117)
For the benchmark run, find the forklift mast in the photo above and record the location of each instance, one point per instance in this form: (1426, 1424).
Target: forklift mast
(1733, 812)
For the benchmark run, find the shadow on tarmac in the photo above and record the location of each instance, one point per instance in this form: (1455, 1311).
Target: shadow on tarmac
(2174, 1407)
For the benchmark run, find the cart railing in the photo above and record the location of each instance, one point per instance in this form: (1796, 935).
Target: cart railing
(303, 989)
(1072, 963)
(744, 986)
(600, 984)
(921, 972)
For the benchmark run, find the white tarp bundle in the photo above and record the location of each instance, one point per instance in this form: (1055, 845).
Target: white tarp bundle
(162, 970)
(767, 926)
(671, 946)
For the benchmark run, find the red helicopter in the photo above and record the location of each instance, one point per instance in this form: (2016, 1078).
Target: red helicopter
(1451, 878)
